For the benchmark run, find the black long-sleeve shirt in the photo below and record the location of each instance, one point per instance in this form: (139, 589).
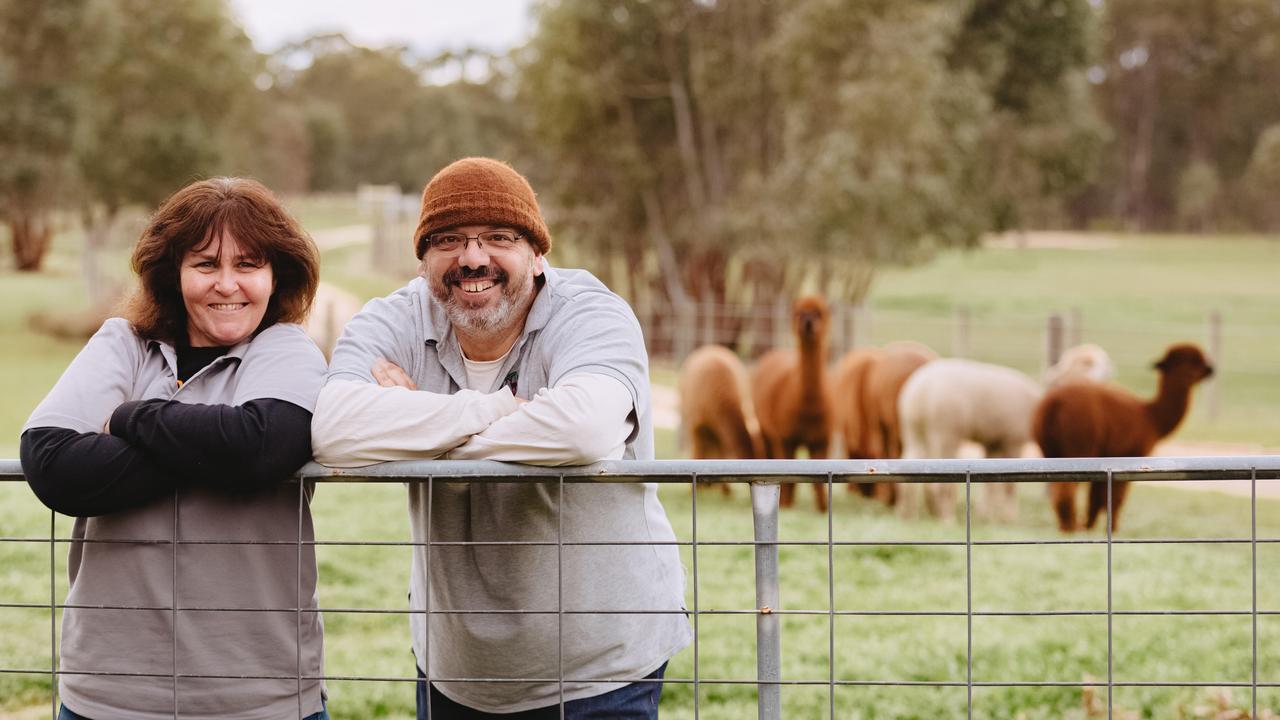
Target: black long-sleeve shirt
(158, 446)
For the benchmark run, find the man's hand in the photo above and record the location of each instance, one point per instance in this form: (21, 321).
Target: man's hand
(389, 374)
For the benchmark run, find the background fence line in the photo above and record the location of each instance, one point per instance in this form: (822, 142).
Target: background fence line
(764, 478)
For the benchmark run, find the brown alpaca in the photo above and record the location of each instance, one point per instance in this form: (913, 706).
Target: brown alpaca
(848, 388)
(1096, 420)
(789, 389)
(714, 409)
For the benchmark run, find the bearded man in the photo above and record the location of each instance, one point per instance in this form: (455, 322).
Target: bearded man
(493, 354)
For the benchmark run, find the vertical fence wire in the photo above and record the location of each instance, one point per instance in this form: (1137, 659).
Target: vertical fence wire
(831, 598)
(697, 607)
(53, 611)
(427, 604)
(297, 625)
(1110, 617)
(173, 605)
(968, 594)
(1253, 568)
(560, 589)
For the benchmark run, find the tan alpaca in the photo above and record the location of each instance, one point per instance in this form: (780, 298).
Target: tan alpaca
(715, 412)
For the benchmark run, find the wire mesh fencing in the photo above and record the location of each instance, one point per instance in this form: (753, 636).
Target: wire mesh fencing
(811, 648)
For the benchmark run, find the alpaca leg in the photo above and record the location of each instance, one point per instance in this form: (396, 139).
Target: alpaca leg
(910, 498)
(786, 450)
(1119, 491)
(886, 492)
(819, 452)
(941, 499)
(1097, 502)
(1063, 497)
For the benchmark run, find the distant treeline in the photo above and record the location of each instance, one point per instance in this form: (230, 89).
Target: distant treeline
(692, 141)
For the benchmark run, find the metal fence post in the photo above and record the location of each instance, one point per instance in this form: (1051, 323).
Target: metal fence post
(764, 507)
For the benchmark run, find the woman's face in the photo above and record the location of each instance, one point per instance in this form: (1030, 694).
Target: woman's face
(225, 292)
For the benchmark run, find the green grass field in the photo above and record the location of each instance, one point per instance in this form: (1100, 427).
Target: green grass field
(1135, 297)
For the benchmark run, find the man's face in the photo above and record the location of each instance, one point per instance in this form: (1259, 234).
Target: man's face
(483, 288)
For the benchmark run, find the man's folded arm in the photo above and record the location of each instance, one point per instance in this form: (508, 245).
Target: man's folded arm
(358, 423)
(585, 418)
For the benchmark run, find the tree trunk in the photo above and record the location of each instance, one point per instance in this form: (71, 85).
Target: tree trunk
(97, 233)
(31, 238)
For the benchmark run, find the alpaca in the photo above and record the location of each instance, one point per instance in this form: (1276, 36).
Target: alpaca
(951, 401)
(1083, 362)
(864, 403)
(789, 389)
(847, 390)
(1094, 420)
(715, 414)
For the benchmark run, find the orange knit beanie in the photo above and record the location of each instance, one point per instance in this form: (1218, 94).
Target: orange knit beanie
(480, 191)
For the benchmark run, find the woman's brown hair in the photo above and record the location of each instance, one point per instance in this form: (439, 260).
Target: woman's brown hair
(198, 215)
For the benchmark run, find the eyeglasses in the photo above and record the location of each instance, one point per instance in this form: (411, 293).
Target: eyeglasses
(454, 243)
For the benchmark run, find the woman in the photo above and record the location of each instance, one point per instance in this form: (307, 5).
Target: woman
(169, 438)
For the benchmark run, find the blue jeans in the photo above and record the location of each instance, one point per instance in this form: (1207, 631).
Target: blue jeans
(637, 701)
(65, 714)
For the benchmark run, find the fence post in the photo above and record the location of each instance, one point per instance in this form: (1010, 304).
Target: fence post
(781, 324)
(860, 329)
(960, 332)
(1053, 338)
(708, 312)
(1075, 327)
(686, 329)
(1215, 357)
(764, 507)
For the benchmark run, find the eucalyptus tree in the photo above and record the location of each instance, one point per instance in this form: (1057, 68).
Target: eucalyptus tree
(40, 43)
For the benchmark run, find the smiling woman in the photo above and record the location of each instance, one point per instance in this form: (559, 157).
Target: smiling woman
(168, 439)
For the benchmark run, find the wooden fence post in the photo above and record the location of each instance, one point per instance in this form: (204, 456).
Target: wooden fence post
(960, 332)
(1053, 339)
(1214, 391)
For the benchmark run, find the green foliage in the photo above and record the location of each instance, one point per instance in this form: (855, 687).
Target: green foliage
(713, 133)
(161, 86)
(1183, 81)
(1198, 190)
(1261, 184)
(39, 53)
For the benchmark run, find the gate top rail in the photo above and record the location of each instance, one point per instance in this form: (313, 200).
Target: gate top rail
(977, 470)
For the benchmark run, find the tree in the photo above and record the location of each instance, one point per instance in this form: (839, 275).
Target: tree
(1261, 182)
(39, 46)
(161, 91)
(696, 138)
(1044, 134)
(1185, 81)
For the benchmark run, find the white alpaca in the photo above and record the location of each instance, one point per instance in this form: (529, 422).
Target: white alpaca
(1087, 362)
(951, 401)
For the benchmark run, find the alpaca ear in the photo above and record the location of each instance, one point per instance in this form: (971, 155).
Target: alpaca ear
(1162, 364)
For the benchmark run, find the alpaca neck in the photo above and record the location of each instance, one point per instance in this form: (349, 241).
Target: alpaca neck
(1169, 405)
(813, 353)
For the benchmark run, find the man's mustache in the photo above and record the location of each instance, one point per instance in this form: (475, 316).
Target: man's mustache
(454, 276)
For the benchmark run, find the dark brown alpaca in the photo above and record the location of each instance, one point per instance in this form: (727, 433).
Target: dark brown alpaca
(714, 408)
(1096, 420)
(790, 392)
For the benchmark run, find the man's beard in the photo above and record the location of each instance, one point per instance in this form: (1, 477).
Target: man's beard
(511, 302)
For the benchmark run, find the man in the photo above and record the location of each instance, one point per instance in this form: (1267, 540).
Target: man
(439, 369)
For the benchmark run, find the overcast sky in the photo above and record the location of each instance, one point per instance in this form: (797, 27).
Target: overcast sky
(427, 26)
